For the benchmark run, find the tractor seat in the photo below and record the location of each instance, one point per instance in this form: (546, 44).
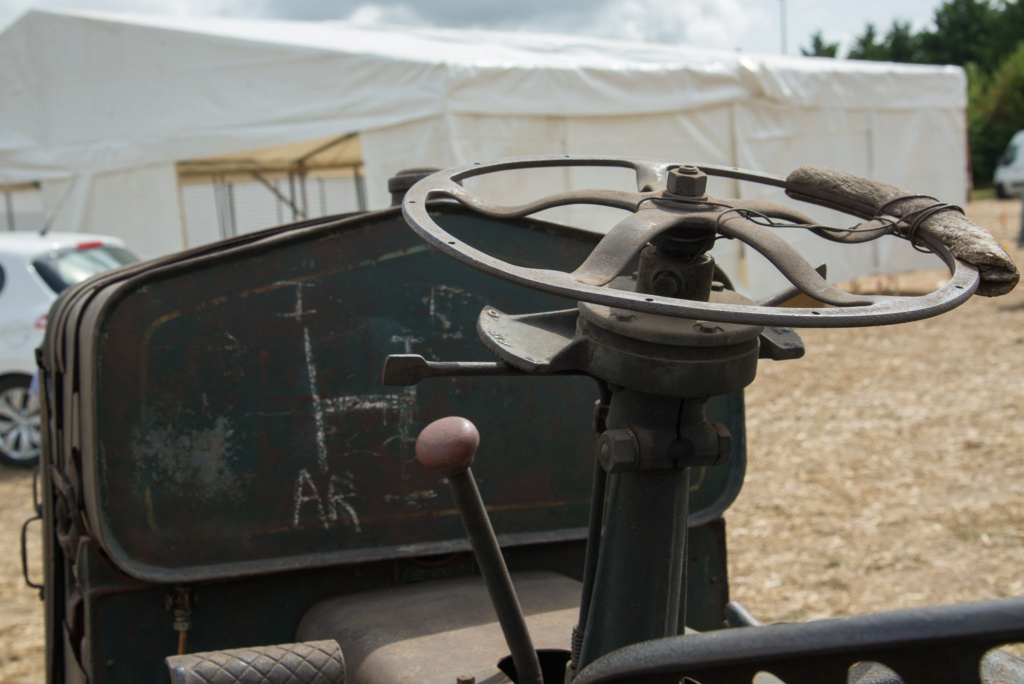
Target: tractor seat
(436, 631)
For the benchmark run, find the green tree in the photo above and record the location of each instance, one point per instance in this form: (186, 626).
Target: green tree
(1010, 28)
(967, 31)
(986, 37)
(901, 44)
(868, 46)
(819, 48)
(979, 31)
(995, 111)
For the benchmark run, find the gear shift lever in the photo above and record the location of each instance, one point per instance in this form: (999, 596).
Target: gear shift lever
(448, 446)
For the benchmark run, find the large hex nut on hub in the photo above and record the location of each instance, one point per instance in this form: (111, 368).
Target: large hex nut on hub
(618, 451)
(687, 181)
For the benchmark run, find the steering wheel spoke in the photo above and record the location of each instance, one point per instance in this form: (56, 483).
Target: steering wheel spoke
(622, 243)
(651, 175)
(790, 262)
(616, 199)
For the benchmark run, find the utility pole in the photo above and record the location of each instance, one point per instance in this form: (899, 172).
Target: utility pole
(782, 13)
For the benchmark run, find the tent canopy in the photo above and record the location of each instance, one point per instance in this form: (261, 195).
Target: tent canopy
(338, 152)
(102, 108)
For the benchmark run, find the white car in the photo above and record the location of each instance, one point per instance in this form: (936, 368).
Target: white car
(1009, 175)
(34, 269)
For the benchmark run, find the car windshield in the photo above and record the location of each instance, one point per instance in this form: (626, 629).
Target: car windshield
(63, 268)
(1009, 155)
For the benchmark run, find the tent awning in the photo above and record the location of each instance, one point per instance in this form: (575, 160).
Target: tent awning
(334, 154)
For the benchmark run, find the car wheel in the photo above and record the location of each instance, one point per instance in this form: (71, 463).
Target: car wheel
(19, 422)
(1001, 192)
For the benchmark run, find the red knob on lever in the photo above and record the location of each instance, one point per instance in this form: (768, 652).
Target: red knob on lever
(448, 445)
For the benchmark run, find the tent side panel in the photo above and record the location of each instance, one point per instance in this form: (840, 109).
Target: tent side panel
(920, 150)
(900, 147)
(697, 136)
(140, 206)
(923, 151)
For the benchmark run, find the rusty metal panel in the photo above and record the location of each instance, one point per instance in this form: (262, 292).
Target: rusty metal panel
(233, 420)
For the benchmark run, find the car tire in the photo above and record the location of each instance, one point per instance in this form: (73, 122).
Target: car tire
(19, 422)
(1001, 192)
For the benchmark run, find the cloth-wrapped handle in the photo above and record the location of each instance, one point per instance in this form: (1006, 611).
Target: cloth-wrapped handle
(862, 196)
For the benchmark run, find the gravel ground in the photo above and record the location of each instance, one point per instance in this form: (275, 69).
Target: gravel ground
(886, 470)
(21, 611)
(886, 467)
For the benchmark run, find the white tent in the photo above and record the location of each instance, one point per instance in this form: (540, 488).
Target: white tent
(102, 110)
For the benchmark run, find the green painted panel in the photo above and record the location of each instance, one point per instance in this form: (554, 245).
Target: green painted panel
(242, 426)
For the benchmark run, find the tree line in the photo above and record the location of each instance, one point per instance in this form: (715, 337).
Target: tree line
(986, 37)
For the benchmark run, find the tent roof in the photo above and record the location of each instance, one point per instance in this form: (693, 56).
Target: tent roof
(96, 92)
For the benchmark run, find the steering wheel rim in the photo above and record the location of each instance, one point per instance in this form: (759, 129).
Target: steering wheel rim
(651, 178)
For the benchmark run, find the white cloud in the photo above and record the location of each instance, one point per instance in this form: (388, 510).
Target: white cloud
(12, 9)
(748, 25)
(701, 23)
(380, 14)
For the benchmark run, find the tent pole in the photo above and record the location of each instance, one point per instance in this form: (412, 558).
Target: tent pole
(218, 203)
(302, 187)
(323, 148)
(291, 193)
(279, 195)
(10, 210)
(230, 190)
(360, 189)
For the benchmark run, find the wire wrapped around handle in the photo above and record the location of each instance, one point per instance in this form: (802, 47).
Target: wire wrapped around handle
(966, 240)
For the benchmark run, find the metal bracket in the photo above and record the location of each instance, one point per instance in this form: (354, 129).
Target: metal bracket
(24, 555)
(780, 344)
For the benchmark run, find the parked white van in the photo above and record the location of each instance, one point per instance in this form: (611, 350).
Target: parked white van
(1009, 175)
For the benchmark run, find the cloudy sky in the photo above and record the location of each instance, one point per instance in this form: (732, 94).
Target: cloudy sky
(747, 25)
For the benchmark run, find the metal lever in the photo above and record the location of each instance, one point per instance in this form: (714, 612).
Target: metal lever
(448, 446)
(408, 369)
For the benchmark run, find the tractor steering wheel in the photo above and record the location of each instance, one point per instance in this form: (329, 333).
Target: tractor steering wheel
(668, 197)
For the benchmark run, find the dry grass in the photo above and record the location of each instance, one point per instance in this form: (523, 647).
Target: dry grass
(886, 471)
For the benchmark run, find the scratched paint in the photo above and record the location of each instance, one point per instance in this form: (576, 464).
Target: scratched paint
(446, 303)
(396, 409)
(331, 507)
(414, 500)
(329, 502)
(299, 312)
(407, 342)
(401, 403)
(318, 409)
(200, 461)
